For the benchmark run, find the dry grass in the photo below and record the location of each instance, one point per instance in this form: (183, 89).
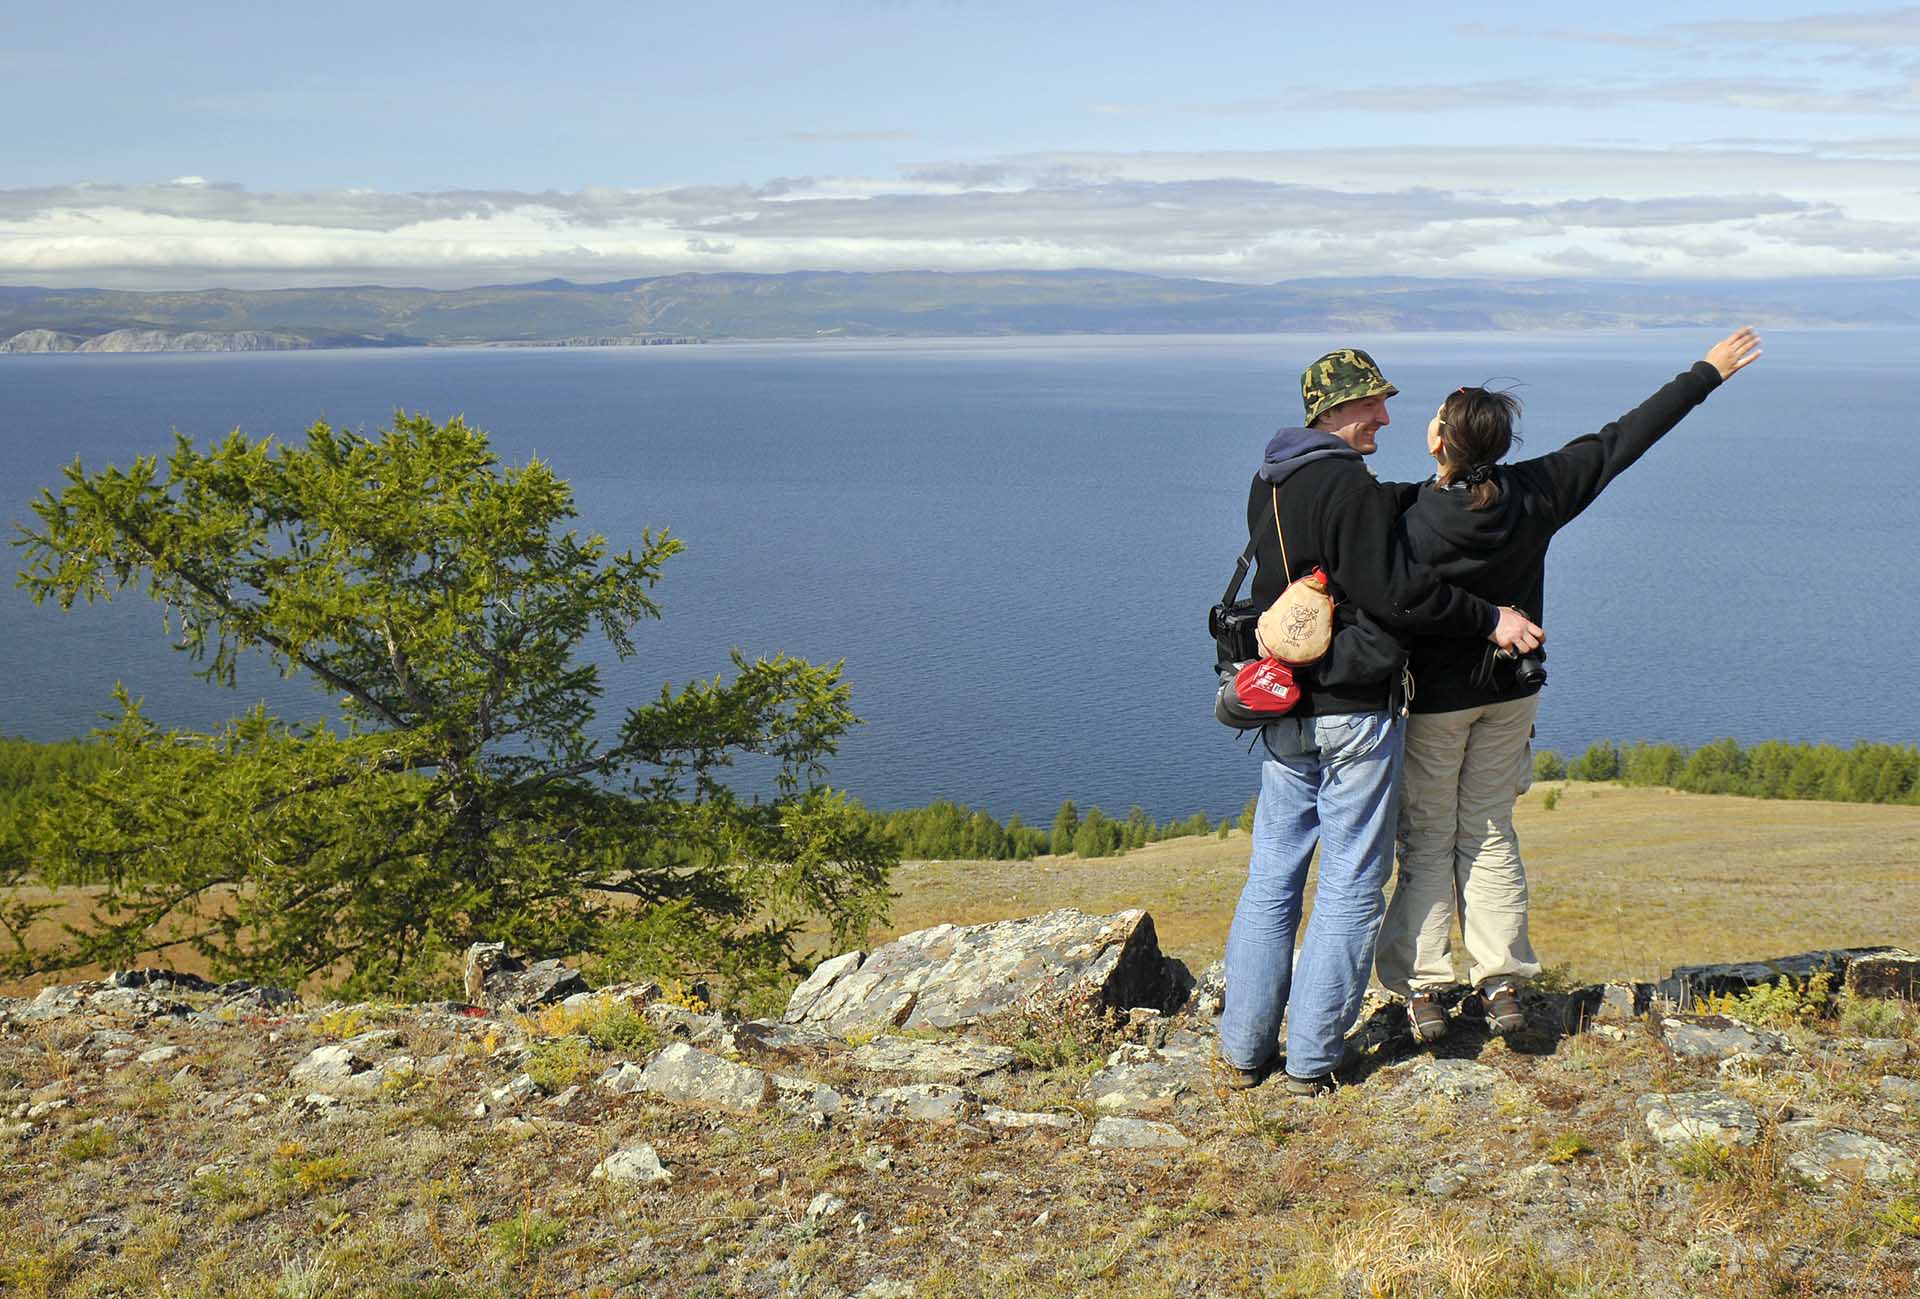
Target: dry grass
(1626, 882)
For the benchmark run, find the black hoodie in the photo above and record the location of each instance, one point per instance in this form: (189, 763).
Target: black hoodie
(1500, 553)
(1337, 517)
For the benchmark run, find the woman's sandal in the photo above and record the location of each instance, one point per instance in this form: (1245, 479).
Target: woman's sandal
(1427, 1017)
(1502, 1004)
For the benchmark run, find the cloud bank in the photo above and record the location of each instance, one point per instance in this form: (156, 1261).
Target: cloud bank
(1730, 209)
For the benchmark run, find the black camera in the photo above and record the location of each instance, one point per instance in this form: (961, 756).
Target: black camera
(1232, 626)
(1528, 670)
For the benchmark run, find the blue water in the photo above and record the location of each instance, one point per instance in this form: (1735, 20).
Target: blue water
(1012, 544)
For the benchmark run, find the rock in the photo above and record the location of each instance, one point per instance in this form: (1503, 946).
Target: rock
(1135, 1134)
(372, 1040)
(173, 979)
(1850, 1157)
(883, 1288)
(994, 1116)
(805, 1096)
(41, 340)
(502, 982)
(1138, 1077)
(1714, 1037)
(825, 1205)
(1900, 1089)
(921, 1102)
(192, 340)
(333, 1063)
(1449, 1182)
(1680, 1119)
(1690, 983)
(952, 975)
(1888, 973)
(951, 1060)
(1210, 993)
(158, 1055)
(1878, 1050)
(516, 1089)
(317, 1104)
(243, 998)
(683, 1073)
(1455, 1078)
(39, 1111)
(137, 1003)
(563, 1098)
(57, 1001)
(698, 1027)
(622, 1078)
(633, 1164)
(776, 1038)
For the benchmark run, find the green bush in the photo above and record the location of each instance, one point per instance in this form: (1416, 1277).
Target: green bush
(1601, 761)
(1548, 765)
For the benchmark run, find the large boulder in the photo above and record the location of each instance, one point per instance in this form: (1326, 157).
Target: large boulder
(952, 975)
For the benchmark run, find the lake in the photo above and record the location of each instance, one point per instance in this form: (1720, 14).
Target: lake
(1013, 543)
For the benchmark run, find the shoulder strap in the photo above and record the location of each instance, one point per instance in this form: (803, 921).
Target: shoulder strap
(1246, 556)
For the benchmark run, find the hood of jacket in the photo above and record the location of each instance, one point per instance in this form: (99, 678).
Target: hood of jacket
(1291, 449)
(1443, 514)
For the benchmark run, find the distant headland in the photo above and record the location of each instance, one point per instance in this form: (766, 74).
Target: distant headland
(906, 304)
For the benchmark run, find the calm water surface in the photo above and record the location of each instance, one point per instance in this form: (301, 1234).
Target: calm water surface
(1012, 544)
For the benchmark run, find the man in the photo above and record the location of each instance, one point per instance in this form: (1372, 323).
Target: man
(1333, 761)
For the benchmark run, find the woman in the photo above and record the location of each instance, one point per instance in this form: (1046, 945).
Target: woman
(1485, 527)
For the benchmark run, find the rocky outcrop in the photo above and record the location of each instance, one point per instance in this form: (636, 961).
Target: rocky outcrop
(1888, 966)
(954, 975)
(161, 340)
(499, 980)
(41, 340)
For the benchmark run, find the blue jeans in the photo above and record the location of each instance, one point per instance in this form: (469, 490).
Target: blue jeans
(1330, 780)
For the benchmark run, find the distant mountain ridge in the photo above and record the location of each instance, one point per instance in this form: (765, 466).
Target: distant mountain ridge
(828, 304)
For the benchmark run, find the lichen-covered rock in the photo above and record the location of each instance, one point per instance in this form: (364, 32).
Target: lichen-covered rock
(639, 1165)
(1455, 1078)
(496, 979)
(1136, 1134)
(1018, 1120)
(1888, 973)
(1680, 1119)
(685, 1073)
(332, 1063)
(1850, 1157)
(805, 1096)
(920, 1102)
(952, 975)
(1715, 1037)
(1138, 1077)
(951, 1060)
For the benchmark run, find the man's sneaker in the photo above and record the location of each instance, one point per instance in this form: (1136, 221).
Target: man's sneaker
(1427, 1017)
(1502, 1003)
(1239, 1079)
(1316, 1086)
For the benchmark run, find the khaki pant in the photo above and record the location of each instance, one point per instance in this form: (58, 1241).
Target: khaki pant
(1458, 851)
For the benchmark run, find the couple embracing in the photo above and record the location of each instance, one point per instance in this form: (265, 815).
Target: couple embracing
(1415, 725)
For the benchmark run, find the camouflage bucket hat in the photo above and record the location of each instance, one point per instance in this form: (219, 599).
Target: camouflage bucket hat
(1346, 375)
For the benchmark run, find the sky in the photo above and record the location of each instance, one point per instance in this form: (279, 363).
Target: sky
(446, 144)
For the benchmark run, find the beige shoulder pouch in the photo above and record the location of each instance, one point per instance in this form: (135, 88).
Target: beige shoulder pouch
(1298, 627)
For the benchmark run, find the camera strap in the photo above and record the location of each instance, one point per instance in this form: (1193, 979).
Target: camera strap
(1246, 556)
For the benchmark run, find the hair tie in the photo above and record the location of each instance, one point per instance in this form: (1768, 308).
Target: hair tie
(1475, 476)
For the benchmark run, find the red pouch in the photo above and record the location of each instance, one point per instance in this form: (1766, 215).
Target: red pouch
(1261, 691)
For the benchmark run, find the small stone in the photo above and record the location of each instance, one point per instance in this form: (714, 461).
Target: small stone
(1448, 1182)
(561, 1100)
(877, 1159)
(1455, 1078)
(636, 1164)
(1881, 1050)
(1136, 1134)
(883, 1288)
(1045, 1217)
(621, 1078)
(37, 1112)
(1680, 1119)
(479, 1110)
(1850, 1157)
(514, 1091)
(1901, 1089)
(825, 1205)
(158, 1055)
(332, 1063)
(921, 1102)
(1713, 1037)
(861, 1222)
(318, 1103)
(684, 1073)
(1018, 1119)
(951, 1060)
(805, 1096)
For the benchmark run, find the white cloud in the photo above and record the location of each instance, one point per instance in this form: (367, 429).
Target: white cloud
(1745, 209)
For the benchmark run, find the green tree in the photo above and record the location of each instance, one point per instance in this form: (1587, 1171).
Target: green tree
(459, 793)
(1601, 761)
(1066, 824)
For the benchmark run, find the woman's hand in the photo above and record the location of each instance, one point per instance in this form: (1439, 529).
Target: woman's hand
(1734, 353)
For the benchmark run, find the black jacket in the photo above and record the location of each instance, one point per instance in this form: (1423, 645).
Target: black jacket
(1337, 517)
(1500, 553)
